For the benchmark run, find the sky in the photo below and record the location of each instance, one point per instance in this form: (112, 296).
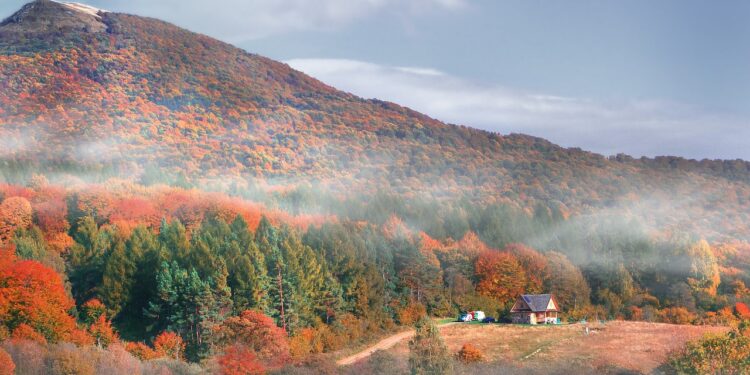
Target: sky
(641, 77)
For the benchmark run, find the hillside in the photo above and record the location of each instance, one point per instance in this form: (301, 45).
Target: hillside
(108, 94)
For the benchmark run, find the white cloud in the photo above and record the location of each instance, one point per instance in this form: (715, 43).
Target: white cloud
(238, 20)
(637, 127)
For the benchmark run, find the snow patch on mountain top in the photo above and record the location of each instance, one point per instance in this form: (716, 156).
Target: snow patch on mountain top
(82, 8)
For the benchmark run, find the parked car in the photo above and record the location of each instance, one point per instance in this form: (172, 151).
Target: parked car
(465, 317)
(488, 319)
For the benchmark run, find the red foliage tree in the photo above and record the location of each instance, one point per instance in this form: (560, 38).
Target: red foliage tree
(8, 191)
(258, 333)
(743, 311)
(51, 214)
(80, 337)
(239, 360)
(33, 294)
(26, 332)
(131, 212)
(186, 206)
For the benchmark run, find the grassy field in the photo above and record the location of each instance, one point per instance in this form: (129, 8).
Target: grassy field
(616, 347)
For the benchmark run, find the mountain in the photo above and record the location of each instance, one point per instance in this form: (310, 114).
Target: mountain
(94, 94)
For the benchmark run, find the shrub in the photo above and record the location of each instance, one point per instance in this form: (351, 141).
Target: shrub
(351, 326)
(28, 356)
(381, 362)
(115, 360)
(66, 359)
(141, 351)
(328, 339)
(469, 354)
(302, 344)
(723, 317)
(169, 366)
(634, 313)
(714, 354)
(239, 360)
(677, 315)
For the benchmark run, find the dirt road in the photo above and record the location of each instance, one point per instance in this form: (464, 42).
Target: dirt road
(383, 344)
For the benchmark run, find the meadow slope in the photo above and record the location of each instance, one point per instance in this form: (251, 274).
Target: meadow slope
(613, 347)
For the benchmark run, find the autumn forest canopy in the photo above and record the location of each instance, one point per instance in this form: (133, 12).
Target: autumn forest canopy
(170, 199)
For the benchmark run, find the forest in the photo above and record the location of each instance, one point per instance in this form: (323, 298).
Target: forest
(155, 103)
(185, 275)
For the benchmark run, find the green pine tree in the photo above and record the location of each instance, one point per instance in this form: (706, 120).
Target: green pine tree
(190, 306)
(87, 258)
(117, 279)
(143, 248)
(428, 354)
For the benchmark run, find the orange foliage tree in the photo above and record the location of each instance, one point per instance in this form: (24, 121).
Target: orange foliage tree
(131, 212)
(533, 263)
(15, 212)
(500, 276)
(411, 313)
(102, 331)
(169, 344)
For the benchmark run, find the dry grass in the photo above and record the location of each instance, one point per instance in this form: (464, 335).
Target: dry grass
(622, 347)
(636, 346)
